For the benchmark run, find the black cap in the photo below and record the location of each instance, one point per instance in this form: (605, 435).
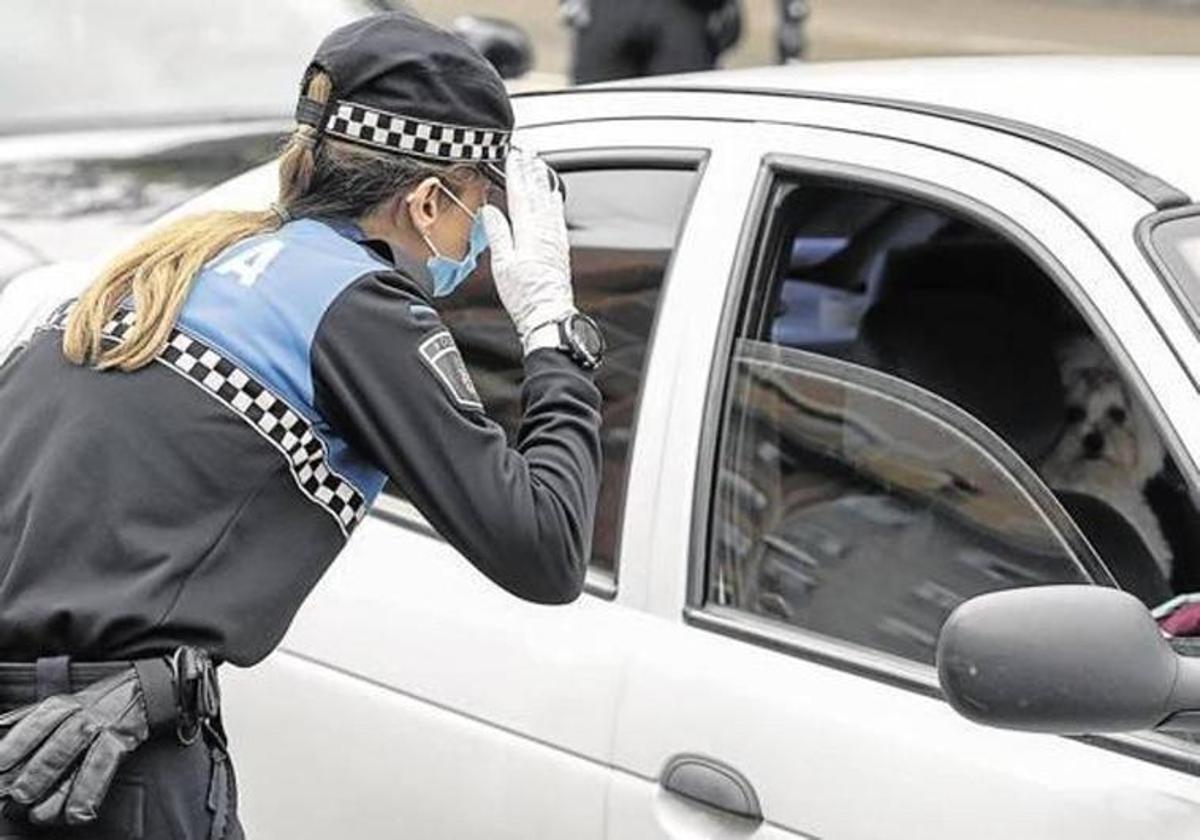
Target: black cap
(402, 85)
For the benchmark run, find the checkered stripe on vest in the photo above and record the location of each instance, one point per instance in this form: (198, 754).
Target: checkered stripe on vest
(398, 133)
(267, 413)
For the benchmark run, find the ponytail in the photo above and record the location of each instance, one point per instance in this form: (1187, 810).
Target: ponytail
(298, 161)
(157, 272)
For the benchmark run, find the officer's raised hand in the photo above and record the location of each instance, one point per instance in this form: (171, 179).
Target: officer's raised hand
(530, 259)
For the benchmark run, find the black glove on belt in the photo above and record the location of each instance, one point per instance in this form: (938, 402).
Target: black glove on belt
(60, 756)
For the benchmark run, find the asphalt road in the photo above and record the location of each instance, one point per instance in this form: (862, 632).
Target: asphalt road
(847, 29)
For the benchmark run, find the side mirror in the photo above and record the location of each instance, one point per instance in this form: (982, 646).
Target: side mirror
(506, 45)
(1065, 659)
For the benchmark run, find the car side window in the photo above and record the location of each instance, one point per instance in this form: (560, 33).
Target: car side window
(623, 221)
(854, 495)
(862, 510)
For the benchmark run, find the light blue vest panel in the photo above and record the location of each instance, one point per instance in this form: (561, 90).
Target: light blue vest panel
(261, 302)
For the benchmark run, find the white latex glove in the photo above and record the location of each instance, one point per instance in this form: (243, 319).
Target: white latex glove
(530, 260)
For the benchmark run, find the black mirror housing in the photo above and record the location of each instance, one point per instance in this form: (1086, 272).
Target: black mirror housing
(1065, 659)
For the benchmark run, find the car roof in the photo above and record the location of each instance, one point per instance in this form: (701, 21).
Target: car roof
(1141, 108)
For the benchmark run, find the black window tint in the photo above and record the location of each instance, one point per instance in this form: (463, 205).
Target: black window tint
(623, 224)
(844, 510)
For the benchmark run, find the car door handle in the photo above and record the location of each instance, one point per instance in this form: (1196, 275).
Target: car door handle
(712, 783)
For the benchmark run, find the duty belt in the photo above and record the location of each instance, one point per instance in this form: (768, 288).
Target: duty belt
(181, 700)
(181, 690)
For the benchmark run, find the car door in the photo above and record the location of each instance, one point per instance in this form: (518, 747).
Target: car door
(411, 695)
(835, 481)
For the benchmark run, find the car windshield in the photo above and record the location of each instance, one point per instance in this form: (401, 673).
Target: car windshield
(1177, 242)
(100, 63)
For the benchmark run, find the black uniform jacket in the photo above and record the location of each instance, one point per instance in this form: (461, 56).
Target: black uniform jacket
(199, 499)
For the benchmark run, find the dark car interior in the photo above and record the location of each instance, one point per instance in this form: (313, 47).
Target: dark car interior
(944, 303)
(619, 260)
(620, 289)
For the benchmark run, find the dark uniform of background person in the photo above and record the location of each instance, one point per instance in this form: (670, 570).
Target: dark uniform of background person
(619, 39)
(195, 501)
(791, 38)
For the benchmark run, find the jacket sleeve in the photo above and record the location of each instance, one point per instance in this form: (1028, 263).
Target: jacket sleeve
(387, 376)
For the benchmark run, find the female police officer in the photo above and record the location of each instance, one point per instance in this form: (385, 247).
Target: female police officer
(188, 445)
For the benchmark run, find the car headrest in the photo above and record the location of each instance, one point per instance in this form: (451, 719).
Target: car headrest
(974, 322)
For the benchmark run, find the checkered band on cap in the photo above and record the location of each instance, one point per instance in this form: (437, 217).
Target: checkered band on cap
(397, 133)
(267, 413)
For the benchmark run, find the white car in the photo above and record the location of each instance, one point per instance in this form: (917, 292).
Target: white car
(883, 337)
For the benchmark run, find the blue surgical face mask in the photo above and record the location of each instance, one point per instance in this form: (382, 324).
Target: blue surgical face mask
(449, 274)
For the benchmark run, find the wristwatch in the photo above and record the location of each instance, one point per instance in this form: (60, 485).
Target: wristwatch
(577, 335)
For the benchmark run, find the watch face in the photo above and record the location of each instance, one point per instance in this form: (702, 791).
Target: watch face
(587, 336)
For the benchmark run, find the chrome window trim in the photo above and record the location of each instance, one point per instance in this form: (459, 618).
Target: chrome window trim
(872, 664)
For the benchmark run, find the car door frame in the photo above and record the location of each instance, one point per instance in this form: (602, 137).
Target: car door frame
(1152, 747)
(651, 141)
(1161, 766)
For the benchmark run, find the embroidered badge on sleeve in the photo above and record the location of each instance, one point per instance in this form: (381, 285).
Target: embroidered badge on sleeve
(440, 353)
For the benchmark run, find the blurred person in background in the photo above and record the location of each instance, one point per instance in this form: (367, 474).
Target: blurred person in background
(620, 39)
(189, 445)
(791, 39)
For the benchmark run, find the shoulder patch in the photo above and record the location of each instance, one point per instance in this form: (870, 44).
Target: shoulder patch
(440, 353)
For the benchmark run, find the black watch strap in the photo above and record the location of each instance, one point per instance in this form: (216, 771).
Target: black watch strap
(581, 339)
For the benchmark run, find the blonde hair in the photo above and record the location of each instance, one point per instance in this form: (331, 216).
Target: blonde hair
(316, 177)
